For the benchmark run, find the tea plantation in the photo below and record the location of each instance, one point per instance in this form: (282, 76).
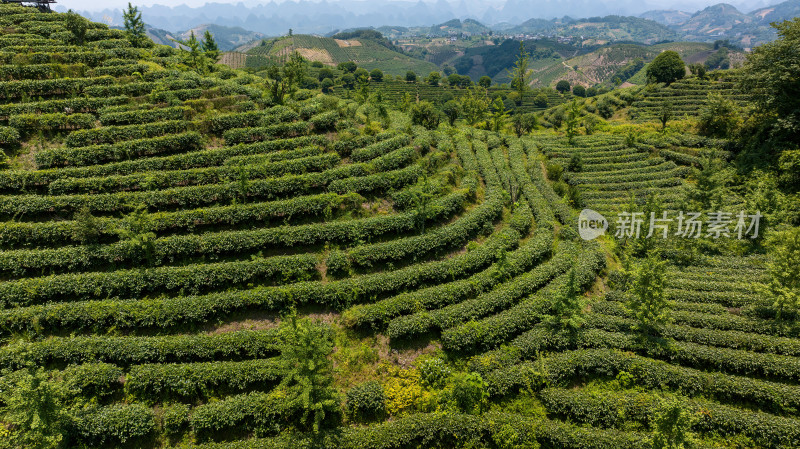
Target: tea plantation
(195, 256)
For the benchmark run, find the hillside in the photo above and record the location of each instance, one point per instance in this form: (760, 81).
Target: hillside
(599, 30)
(198, 257)
(227, 38)
(370, 53)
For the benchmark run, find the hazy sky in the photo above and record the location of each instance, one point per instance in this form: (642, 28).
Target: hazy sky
(98, 5)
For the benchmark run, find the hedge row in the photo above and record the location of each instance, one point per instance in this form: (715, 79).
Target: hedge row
(11, 90)
(99, 154)
(221, 123)
(116, 424)
(30, 123)
(139, 282)
(132, 350)
(171, 312)
(147, 116)
(209, 194)
(381, 312)
(380, 148)
(613, 409)
(113, 134)
(560, 369)
(520, 283)
(280, 130)
(73, 105)
(200, 380)
(271, 151)
(497, 329)
(454, 234)
(194, 176)
(56, 233)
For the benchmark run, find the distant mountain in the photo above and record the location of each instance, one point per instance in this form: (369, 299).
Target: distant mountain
(714, 22)
(724, 21)
(455, 27)
(599, 30)
(227, 38)
(368, 48)
(667, 16)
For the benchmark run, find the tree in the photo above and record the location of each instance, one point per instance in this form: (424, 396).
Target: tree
(324, 73)
(648, 303)
(523, 123)
(540, 101)
(361, 73)
(466, 393)
(327, 85)
(411, 77)
(671, 426)
(719, 117)
(562, 86)
(348, 81)
(784, 272)
(376, 75)
(573, 121)
(210, 48)
(698, 70)
(347, 66)
(137, 230)
(433, 78)
(193, 56)
(579, 90)
(473, 106)
(76, 25)
(308, 382)
(665, 113)
(425, 114)
(134, 27)
(666, 68)
(33, 410)
(85, 228)
(770, 76)
(485, 82)
(451, 110)
(498, 114)
(520, 78)
(454, 79)
(567, 305)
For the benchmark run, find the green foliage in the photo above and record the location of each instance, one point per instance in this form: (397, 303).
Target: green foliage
(579, 90)
(425, 114)
(451, 110)
(308, 382)
(719, 117)
(671, 426)
(485, 82)
(433, 78)
(77, 25)
(33, 408)
(563, 86)
(567, 305)
(524, 123)
(666, 68)
(134, 27)
(376, 75)
(784, 271)
(210, 48)
(540, 101)
(366, 402)
(648, 301)
(465, 393)
(474, 106)
(519, 74)
(665, 114)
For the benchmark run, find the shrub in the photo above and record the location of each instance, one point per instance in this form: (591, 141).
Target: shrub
(366, 402)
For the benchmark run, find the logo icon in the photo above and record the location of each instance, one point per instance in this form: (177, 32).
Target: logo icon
(591, 224)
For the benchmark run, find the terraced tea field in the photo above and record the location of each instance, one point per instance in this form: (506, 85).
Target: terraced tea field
(162, 226)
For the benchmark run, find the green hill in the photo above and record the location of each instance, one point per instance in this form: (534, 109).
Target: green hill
(199, 257)
(370, 52)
